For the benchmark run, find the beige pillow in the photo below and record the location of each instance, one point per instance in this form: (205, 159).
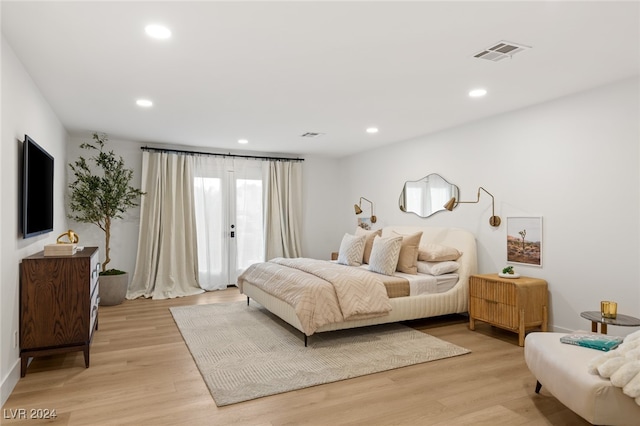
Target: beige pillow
(351, 249)
(368, 242)
(384, 254)
(407, 261)
(430, 252)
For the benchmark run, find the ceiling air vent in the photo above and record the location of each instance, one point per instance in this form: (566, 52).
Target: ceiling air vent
(501, 50)
(311, 134)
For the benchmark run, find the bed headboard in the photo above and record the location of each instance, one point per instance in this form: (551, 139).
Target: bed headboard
(461, 239)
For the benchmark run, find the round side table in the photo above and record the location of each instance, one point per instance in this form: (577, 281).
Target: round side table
(596, 317)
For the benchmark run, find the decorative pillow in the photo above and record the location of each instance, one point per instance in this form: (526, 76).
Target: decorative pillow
(368, 242)
(407, 260)
(384, 254)
(430, 252)
(438, 268)
(351, 249)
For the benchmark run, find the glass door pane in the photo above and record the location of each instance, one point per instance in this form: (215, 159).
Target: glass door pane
(229, 220)
(211, 218)
(249, 236)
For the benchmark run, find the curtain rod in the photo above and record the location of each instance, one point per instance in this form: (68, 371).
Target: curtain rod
(256, 157)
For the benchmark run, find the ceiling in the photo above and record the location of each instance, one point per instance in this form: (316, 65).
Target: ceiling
(269, 72)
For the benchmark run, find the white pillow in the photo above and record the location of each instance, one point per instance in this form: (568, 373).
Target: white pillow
(438, 268)
(384, 254)
(351, 250)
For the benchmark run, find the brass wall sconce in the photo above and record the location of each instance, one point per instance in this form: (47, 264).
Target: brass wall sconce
(358, 209)
(493, 220)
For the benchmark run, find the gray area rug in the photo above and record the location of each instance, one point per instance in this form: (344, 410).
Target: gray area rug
(244, 352)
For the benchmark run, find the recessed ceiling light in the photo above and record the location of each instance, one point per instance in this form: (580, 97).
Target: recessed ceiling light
(144, 103)
(477, 93)
(372, 130)
(157, 31)
(243, 141)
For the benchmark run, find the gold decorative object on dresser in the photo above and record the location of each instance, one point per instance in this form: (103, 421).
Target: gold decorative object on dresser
(72, 238)
(514, 304)
(59, 298)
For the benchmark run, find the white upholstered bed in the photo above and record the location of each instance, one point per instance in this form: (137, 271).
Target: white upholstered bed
(454, 300)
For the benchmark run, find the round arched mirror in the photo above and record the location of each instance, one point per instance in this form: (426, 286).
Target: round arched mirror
(426, 196)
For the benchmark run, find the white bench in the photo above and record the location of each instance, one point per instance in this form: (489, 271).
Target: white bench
(561, 369)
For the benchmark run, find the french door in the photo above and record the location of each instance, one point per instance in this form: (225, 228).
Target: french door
(229, 219)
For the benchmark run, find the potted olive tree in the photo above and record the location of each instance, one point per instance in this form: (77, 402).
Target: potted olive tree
(100, 193)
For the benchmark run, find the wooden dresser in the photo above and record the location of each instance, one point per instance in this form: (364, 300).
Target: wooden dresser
(59, 298)
(515, 304)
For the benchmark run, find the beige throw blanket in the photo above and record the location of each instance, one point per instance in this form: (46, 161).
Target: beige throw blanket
(621, 366)
(321, 292)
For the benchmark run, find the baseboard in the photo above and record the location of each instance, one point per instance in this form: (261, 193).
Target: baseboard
(560, 329)
(10, 381)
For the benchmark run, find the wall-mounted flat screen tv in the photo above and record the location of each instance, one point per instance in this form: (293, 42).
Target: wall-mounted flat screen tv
(37, 189)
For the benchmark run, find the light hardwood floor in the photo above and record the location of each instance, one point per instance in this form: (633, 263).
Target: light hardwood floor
(142, 374)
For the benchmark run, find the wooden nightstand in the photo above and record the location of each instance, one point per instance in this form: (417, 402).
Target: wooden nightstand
(514, 304)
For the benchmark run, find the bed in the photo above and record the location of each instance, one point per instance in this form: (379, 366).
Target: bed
(454, 299)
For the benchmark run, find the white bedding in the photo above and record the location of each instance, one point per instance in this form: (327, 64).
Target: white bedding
(429, 284)
(425, 283)
(443, 301)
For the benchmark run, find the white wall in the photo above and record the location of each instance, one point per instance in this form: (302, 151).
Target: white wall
(325, 207)
(24, 111)
(573, 161)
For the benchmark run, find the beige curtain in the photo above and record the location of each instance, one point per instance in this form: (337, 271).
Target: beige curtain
(283, 209)
(167, 260)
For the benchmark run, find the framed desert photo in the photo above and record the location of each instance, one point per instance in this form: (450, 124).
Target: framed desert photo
(365, 223)
(524, 240)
